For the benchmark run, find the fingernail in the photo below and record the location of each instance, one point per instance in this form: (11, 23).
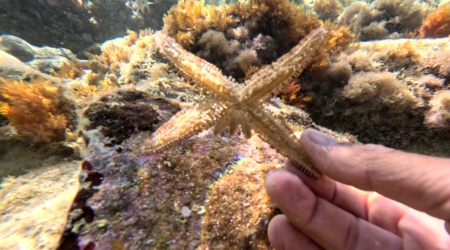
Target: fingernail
(322, 139)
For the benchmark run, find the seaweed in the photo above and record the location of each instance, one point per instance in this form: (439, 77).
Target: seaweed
(327, 9)
(36, 109)
(437, 24)
(242, 37)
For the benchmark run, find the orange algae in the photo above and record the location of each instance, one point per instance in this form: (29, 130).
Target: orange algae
(113, 53)
(33, 108)
(187, 21)
(68, 69)
(338, 39)
(437, 24)
(290, 91)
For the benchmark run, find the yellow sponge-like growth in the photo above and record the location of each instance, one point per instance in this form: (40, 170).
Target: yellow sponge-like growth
(439, 114)
(33, 108)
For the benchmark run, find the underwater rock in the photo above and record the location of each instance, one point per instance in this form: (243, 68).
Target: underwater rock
(13, 68)
(76, 25)
(26, 52)
(387, 97)
(206, 192)
(58, 62)
(123, 113)
(34, 206)
(383, 19)
(17, 48)
(20, 157)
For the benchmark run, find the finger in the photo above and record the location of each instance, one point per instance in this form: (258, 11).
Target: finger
(282, 235)
(372, 207)
(365, 205)
(348, 198)
(421, 231)
(323, 222)
(416, 180)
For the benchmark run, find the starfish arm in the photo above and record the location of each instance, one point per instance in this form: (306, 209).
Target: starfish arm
(182, 126)
(196, 69)
(269, 80)
(280, 137)
(240, 118)
(245, 126)
(223, 122)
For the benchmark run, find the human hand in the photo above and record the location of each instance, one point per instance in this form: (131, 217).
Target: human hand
(334, 213)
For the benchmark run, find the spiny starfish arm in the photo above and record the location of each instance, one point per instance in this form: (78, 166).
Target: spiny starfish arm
(269, 80)
(223, 122)
(234, 124)
(281, 138)
(232, 119)
(196, 69)
(182, 126)
(240, 118)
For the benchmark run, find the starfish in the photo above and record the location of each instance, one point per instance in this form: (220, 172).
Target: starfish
(231, 105)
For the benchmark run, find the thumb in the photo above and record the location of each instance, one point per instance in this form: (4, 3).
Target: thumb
(419, 181)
